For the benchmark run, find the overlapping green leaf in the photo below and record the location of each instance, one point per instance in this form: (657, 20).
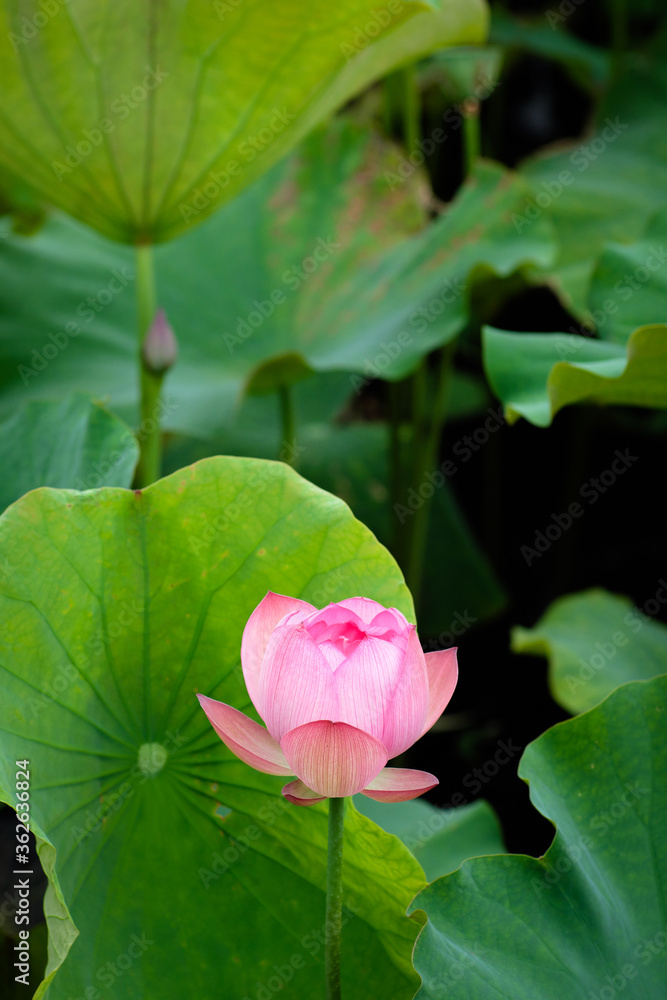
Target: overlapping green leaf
(222, 274)
(536, 375)
(316, 267)
(588, 919)
(629, 283)
(440, 839)
(72, 444)
(142, 118)
(607, 185)
(115, 608)
(594, 642)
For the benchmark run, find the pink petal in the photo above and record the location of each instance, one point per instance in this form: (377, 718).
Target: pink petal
(405, 714)
(332, 758)
(333, 614)
(398, 784)
(257, 632)
(332, 654)
(365, 683)
(344, 635)
(247, 739)
(347, 630)
(362, 606)
(296, 684)
(391, 618)
(443, 673)
(387, 626)
(301, 795)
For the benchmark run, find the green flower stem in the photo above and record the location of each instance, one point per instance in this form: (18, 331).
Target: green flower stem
(390, 100)
(334, 914)
(416, 466)
(150, 435)
(396, 485)
(426, 452)
(411, 127)
(148, 469)
(619, 36)
(401, 104)
(288, 422)
(471, 135)
(419, 418)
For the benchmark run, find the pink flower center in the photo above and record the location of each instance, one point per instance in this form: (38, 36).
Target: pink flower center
(338, 636)
(345, 636)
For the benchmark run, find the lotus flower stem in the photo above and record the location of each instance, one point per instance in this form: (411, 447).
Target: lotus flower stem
(401, 104)
(472, 139)
(419, 417)
(148, 469)
(397, 487)
(619, 35)
(411, 125)
(426, 454)
(288, 445)
(334, 913)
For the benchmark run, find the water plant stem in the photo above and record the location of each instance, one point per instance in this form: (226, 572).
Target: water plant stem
(411, 127)
(288, 424)
(401, 105)
(395, 466)
(427, 440)
(471, 135)
(619, 36)
(419, 417)
(150, 440)
(334, 913)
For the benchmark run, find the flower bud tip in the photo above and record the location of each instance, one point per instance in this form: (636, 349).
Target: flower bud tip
(160, 348)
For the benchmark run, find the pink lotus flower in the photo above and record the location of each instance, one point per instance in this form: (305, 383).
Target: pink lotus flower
(342, 691)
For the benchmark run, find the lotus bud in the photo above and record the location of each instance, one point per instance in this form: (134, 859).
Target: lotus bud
(160, 347)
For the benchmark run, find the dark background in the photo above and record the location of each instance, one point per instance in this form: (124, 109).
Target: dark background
(617, 544)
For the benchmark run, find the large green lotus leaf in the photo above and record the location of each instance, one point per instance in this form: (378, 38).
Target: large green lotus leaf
(607, 185)
(440, 839)
(71, 444)
(595, 641)
(537, 374)
(316, 267)
(67, 318)
(629, 283)
(141, 118)
(212, 282)
(115, 608)
(587, 920)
